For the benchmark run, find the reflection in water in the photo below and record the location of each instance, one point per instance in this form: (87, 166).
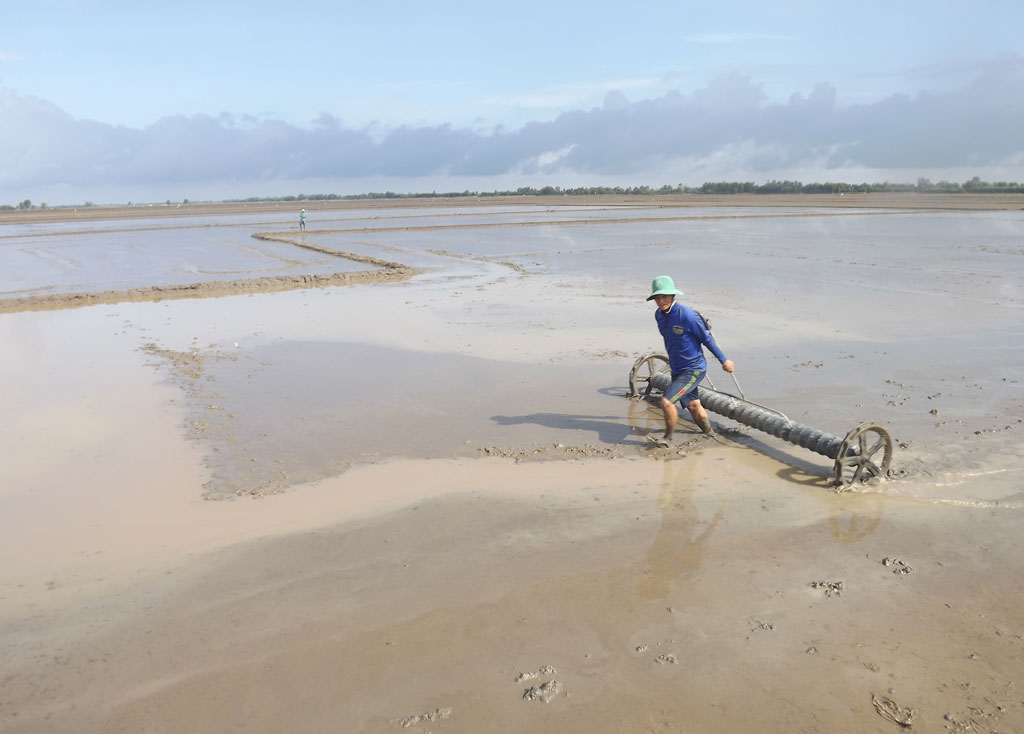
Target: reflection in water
(647, 420)
(852, 515)
(675, 553)
(855, 516)
(643, 420)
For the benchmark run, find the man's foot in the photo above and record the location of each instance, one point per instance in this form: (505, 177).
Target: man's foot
(705, 425)
(659, 441)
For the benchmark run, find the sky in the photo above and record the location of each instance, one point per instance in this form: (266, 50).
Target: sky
(106, 101)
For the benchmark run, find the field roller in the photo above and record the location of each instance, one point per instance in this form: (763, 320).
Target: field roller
(865, 453)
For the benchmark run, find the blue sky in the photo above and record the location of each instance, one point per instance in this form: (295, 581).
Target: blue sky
(113, 101)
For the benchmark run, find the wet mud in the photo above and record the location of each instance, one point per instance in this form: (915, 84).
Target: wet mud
(439, 511)
(384, 271)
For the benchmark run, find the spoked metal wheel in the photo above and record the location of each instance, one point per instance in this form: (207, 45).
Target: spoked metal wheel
(643, 370)
(864, 454)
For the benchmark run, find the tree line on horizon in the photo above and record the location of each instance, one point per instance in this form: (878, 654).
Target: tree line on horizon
(923, 186)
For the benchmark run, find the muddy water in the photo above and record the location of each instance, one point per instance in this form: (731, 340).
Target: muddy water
(124, 260)
(515, 334)
(910, 320)
(701, 593)
(467, 509)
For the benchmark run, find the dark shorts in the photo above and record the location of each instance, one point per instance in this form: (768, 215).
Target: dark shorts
(684, 386)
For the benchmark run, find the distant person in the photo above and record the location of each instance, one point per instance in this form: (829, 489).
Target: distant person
(685, 337)
(302, 220)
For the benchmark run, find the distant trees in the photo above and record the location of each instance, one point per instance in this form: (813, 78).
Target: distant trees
(923, 186)
(728, 187)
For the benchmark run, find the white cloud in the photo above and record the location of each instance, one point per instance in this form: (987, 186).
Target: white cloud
(727, 130)
(550, 159)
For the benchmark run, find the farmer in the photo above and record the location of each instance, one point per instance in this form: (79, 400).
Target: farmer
(302, 219)
(685, 335)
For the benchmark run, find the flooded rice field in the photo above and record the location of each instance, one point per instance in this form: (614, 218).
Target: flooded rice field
(257, 505)
(909, 318)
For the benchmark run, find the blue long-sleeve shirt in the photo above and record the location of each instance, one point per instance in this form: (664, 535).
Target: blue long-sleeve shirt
(684, 334)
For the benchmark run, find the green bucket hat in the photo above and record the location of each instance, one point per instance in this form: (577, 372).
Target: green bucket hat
(663, 286)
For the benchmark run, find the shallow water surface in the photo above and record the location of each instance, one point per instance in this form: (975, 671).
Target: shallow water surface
(909, 319)
(456, 452)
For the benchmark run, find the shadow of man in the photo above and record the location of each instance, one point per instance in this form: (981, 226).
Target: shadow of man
(607, 427)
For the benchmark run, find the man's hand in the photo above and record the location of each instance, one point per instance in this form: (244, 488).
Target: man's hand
(727, 365)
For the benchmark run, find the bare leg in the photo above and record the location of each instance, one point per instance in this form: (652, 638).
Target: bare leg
(671, 417)
(700, 416)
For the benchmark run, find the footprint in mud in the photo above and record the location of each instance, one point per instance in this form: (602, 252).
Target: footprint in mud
(546, 691)
(892, 711)
(831, 588)
(899, 567)
(439, 714)
(665, 658)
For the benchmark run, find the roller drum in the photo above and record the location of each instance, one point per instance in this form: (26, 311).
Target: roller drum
(864, 454)
(760, 418)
